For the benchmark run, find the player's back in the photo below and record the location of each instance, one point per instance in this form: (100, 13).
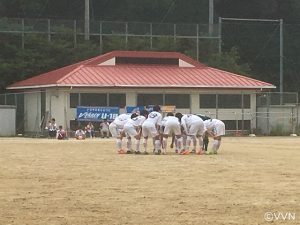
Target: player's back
(136, 121)
(171, 120)
(122, 119)
(189, 119)
(154, 118)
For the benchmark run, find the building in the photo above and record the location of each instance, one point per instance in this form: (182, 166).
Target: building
(135, 78)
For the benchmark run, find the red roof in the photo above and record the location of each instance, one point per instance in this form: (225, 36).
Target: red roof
(89, 73)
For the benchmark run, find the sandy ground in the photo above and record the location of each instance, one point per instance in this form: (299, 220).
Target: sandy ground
(46, 181)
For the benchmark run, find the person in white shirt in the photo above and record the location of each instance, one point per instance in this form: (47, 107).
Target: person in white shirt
(216, 129)
(133, 128)
(116, 130)
(104, 129)
(80, 134)
(151, 128)
(171, 126)
(193, 127)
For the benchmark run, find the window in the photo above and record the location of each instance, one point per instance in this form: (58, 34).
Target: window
(117, 100)
(208, 101)
(74, 100)
(93, 99)
(180, 101)
(229, 101)
(149, 99)
(246, 101)
(10, 99)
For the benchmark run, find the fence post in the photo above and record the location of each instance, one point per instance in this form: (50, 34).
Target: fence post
(151, 37)
(100, 38)
(23, 34)
(49, 30)
(75, 33)
(197, 42)
(126, 35)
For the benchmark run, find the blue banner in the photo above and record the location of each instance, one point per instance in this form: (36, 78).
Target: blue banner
(96, 113)
(134, 109)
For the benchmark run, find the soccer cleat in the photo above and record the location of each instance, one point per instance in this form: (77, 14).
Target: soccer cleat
(145, 153)
(215, 152)
(137, 152)
(128, 152)
(193, 151)
(185, 152)
(158, 152)
(176, 151)
(209, 153)
(200, 152)
(121, 151)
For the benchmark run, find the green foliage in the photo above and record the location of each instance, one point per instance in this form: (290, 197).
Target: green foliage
(229, 61)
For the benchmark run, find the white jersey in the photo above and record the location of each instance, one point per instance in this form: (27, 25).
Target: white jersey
(121, 119)
(217, 127)
(170, 120)
(154, 118)
(188, 119)
(135, 122)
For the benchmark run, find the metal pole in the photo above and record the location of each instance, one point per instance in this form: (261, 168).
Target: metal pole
(197, 43)
(49, 30)
(151, 38)
(175, 34)
(126, 35)
(211, 17)
(100, 38)
(75, 33)
(220, 35)
(23, 33)
(281, 59)
(87, 20)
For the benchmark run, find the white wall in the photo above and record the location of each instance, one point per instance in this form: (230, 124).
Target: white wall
(7, 120)
(32, 112)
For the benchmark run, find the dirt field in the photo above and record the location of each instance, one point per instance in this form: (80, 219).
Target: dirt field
(85, 182)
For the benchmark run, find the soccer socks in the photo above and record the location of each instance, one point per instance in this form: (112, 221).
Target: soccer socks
(138, 144)
(200, 139)
(129, 144)
(178, 142)
(119, 144)
(188, 142)
(145, 145)
(216, 145)
(157, 145)
(164, 143)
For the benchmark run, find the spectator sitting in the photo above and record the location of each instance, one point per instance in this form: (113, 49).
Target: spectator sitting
(61, 133)
(90, 131)
(104, 128)
(52, 128)
(80, 134)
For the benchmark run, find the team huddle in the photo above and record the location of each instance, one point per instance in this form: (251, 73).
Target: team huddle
(185, 130)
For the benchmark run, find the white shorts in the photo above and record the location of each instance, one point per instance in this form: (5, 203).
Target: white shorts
(130, 131)
(219, 129)
(115, 130)
(149, 129)
(171, 128)
(197, 128)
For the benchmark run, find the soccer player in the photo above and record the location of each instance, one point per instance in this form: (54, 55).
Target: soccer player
(193, 127)
(171, 126)
(216, 129)
(151, 128)
(116, 130)
(133, 128)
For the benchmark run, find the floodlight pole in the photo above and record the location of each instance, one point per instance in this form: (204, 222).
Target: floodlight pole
(280, 47)
(211, 17)
(87, 20)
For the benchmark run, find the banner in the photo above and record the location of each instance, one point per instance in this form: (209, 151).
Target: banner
(96, 113)
(134, 109)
